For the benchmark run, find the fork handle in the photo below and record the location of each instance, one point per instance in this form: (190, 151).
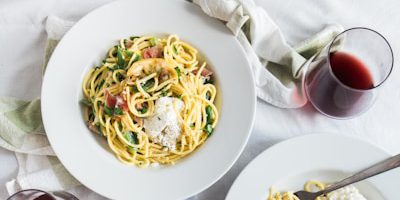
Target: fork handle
(376, 169)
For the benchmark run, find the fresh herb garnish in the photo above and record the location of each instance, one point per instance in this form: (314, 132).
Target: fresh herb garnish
(175, 49)
(128, 53)
(131, 137)
(120, 77)
(120, 56)
(164, 93)
(208, 129)
(178, 71)
(209, 80)
(208, 97)
(118, 111)
(131, 149)
(153, 41)
(108, 111)
(209, 113)
(134, 89)
(101, 84)
(133, 37)
(115, 67)
(119, 125)
(148, 84)
(137, 57)
(115, 50)
(144, 110)
(210, 119)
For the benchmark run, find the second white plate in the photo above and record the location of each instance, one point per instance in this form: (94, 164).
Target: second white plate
(326, 157)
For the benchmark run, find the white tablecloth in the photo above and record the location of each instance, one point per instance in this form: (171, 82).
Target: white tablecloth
(22, 40)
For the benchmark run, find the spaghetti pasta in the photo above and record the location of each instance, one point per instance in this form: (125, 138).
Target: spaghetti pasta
(309, 186)
(125, 93)
(346, 193)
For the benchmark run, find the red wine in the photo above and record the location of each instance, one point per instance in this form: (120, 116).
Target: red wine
(45, 197)
(330, 86)
(351, 71)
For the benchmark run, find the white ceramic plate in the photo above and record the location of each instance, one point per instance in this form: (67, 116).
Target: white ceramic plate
(88, 158)
(327, 157)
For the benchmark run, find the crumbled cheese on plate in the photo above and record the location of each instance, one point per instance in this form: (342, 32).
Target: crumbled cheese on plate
(163, 127)
(347, 193)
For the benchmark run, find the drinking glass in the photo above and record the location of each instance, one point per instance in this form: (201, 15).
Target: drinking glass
(35, 194)
(346, 82)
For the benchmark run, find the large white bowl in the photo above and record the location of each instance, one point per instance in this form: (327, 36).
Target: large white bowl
(88, 158)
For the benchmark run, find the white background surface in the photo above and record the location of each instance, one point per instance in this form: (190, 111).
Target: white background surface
(22, 41)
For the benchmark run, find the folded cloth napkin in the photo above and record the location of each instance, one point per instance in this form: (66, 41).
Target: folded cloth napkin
(278, 69)
(21, 131)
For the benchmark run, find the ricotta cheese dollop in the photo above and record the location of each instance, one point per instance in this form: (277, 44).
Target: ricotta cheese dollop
(347, 193)
(163, 126)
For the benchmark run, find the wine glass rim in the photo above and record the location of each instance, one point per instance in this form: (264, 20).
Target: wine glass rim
(367, 29)
(26, 190)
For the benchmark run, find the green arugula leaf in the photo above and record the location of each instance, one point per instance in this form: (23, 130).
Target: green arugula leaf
(208, 129)
(153, 41)
(133, 37)
(178, 71)
(148, 84)
(144, 110)
(120, 56)
(137, 58)
(118, 111)
(175, 49)
(128, 53)
(209, 113)
(108, 111)
(131, 137)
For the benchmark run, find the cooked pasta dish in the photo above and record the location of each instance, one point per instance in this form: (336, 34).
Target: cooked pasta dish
(152, 98)
(347, 193)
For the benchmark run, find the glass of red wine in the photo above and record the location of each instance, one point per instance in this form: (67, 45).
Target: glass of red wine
(346, 82)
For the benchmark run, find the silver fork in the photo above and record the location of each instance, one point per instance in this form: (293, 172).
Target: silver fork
(376, 169)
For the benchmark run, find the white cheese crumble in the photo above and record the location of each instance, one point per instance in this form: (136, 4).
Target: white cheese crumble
(163, 127)
(347, 193)
(155, 165)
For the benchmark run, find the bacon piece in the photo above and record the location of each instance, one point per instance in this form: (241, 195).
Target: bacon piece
(152, 52)
(121, 103)
(164, 75)
(138, 120)
(139, 106)
(205, 72)
(110, 99)
(128, 44)
(93, 128)
(115, 101)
